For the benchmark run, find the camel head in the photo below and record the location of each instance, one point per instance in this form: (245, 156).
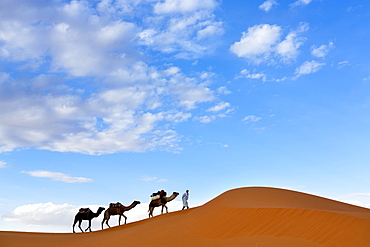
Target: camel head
(173, 196)
(101, 209)
(137, 202)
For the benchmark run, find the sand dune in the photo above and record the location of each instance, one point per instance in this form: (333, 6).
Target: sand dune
(253, 216)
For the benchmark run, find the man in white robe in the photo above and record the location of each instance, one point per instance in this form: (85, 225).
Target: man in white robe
(185, 198)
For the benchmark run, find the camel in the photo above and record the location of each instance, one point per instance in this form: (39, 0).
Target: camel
(86, 214)
(160, 202)
(118, 210)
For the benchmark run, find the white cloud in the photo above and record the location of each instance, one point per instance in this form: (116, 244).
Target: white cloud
(221, 110)
(223, 90)
(183, 28)
(366, 195)
(30, 46)
(267, 5)
(300, 3)
(257, 43)
(309, 67)
(247, 74)
(205, 119)
(179, 6)
(57, 176)
(188, 93)
(72, 44)
(97, 96)
(262, 43)
(343, 64)
(251, 119)
(257, 76)
(75, 34)
(210, 31)
(43, 214)
(106, 121)
(161, 180)
(178, 117)
(280, 79)
(358, 199)
(147, 178)
(356, 203)
(288, 48)
(2, 164)
(220, 106)
(322, 50)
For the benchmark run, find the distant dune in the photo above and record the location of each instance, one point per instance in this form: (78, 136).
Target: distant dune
(253, 216)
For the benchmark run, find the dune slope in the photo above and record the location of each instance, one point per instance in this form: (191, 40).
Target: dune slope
(253, 216)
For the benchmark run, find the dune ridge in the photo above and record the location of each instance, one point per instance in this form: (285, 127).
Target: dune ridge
(251, 216)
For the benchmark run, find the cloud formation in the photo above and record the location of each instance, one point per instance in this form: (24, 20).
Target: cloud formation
(48, 214)
(321, 51)
(267, 5)
(300, 3)
(147, 178)
(220, 106)
(257, 43)
(247, 74)
(182, 28)
(82, 83)
(262, 44)
(251, 119)
(2, 164)
(288, 49)
(308, 67)
(57, 176)
(179, 6)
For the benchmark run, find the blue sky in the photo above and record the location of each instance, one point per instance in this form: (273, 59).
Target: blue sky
(105, 101)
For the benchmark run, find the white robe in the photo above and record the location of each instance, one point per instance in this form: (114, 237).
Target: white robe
(185, 198)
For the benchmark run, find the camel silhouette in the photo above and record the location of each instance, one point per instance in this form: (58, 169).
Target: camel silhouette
(160, 202)
(117, 210)
(86, 214)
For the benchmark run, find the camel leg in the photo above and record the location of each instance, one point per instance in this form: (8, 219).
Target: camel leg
(74, 223)
(106, 222)
(79, 225)
(102, 224)
(89, 227)
(164, 206)
(151, 212)
(119, 219)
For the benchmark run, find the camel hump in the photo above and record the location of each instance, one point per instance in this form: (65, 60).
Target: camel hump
(115, 205)
(84, 210)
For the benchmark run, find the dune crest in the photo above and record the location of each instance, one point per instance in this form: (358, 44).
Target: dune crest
(253, 216)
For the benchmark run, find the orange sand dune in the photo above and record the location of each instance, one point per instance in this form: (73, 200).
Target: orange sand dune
(252, 216)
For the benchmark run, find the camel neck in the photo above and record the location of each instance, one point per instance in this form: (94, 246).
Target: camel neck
(131, 206)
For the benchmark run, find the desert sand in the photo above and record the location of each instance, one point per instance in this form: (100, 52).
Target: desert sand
(252, 216)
